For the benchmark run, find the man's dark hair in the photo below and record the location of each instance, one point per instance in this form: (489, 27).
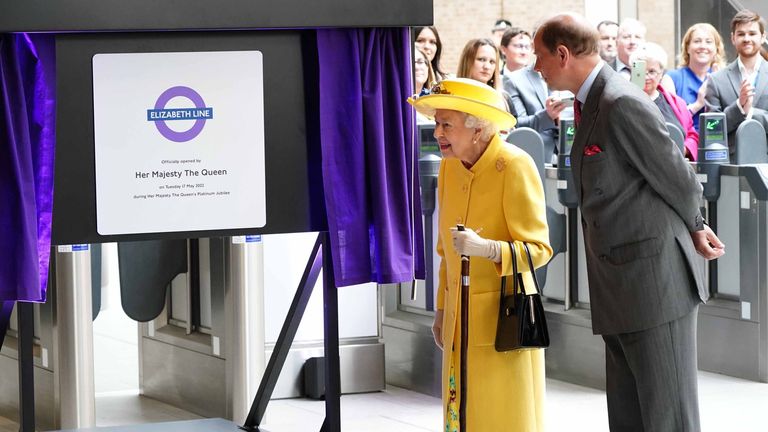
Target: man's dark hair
(501, 24)
(745, 16)
(511, 33)
(606, 23)
(577, 37)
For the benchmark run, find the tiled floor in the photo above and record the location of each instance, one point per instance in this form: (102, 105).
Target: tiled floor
(727, 404)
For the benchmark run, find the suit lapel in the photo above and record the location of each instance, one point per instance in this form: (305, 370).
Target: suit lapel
(762, 81)
(734, 76)
(589, 112)
(537, 85)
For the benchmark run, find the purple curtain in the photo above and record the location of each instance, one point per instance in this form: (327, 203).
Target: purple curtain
(27, 138)
(369, 170)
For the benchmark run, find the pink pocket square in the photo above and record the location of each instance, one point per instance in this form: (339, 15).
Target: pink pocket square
(592, 150)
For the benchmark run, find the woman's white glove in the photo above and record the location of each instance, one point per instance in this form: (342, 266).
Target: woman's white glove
(470, 243)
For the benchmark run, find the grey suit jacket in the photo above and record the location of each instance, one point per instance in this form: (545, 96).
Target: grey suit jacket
(527, 96)
(639, 201)
(723, 94)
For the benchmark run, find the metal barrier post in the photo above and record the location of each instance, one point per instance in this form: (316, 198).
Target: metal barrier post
(248, 338)
(74, 333)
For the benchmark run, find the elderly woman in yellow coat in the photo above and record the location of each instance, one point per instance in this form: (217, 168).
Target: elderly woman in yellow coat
(494, 189)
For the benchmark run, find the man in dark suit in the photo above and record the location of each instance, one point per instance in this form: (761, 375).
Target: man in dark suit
(642, 231)
(609, 33)
(741, 89)
(532, 107)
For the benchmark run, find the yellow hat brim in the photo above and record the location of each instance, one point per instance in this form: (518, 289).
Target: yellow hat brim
(426, 105)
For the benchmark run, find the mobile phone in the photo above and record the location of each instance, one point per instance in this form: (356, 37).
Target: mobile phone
(564, 96)
(637, 76)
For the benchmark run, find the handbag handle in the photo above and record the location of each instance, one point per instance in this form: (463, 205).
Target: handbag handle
(514, 271)
(530, 267)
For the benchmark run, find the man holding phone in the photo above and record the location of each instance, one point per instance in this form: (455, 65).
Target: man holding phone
(631, 37)
(534, 108)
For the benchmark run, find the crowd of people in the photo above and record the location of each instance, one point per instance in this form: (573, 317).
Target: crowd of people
(644, 235)
(504, 61)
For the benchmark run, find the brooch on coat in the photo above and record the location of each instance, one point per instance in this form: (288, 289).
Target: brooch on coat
(501, 164)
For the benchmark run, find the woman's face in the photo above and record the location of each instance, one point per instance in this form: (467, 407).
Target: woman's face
(701, 48)
(519, 51)
(420, 70)
(653, 74)
(427, 42)
(455, 139)
(484, 65)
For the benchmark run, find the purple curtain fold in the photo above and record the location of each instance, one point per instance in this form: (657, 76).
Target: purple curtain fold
(367, 143)
(27, 138)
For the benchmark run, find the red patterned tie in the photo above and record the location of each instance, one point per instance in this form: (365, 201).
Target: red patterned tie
(577, 113)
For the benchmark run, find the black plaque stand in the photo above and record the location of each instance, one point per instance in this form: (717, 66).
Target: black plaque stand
(24, 354)
(24, 357)
(24, 312)
(319, 258)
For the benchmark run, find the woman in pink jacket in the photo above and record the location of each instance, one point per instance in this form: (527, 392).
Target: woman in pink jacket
(672, 107)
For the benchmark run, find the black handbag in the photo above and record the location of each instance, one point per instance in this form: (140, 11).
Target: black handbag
(521, 323)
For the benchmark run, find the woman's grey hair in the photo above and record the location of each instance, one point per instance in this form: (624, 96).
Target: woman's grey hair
(488, 128)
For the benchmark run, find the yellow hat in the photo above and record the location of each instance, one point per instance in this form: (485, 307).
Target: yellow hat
(468, 96)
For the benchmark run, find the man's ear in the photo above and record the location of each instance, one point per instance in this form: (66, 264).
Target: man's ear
(563, 54)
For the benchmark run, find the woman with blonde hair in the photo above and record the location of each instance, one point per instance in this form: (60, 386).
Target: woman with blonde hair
(702, 52)
(494, 189)
(480, 61)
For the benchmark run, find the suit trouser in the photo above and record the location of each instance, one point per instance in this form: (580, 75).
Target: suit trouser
(651, 378)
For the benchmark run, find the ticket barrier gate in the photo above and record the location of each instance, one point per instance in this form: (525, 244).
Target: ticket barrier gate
(532, 143)
(733, 335)
(63, 343)
(575, 354)
(677, 135)
(201, 331)
(733, 325)
(412, 359)
(205, 350)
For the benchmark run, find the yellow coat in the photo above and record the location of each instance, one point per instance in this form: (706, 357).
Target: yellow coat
(502, 194)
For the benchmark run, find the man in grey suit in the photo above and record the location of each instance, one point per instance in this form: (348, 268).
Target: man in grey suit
(642, 229)
(532, 107)
(741, 89)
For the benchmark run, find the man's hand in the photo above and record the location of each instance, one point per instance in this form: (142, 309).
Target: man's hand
(554, 107)
(707, 244)
(746, 96)
(437, 328)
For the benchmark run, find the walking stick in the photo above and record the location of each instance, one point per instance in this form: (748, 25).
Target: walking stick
(464, 337)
